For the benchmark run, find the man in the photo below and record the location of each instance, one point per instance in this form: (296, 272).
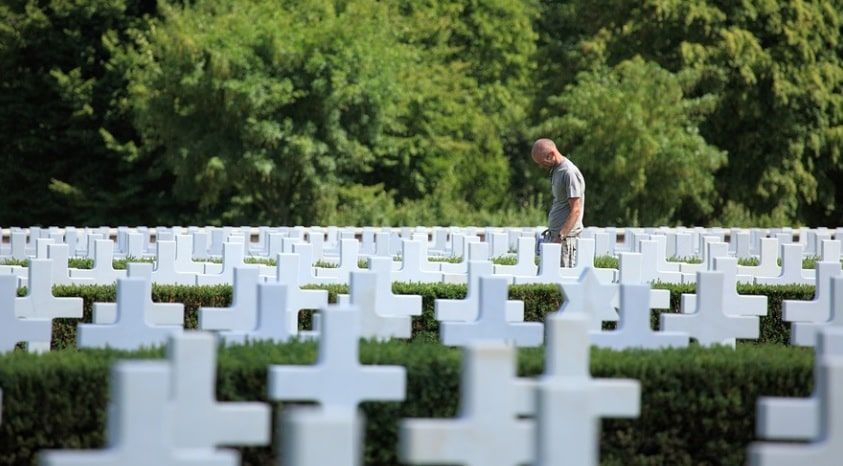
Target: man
(568, 188)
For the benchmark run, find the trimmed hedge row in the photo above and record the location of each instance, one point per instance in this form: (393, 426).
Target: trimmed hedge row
(698, 404)
(538, 301)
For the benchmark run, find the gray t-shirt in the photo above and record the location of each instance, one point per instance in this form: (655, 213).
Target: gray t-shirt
(566, 181)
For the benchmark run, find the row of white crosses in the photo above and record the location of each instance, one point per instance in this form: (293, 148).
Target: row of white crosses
(175, 262)
(681, 241)
(720, 317)
(711, 320)
(40, 295)
(165, 412)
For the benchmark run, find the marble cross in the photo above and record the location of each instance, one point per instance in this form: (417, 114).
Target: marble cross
(569, 402)
(733, 303)
(103, 272)
(140, 425)
(491, 323)
(818, 419)
(289, 271)
(468, 309)
(14, 329)
(488, 431)
(710, 323)
(156, 313)
(131, 330)
(634, 329)
(199, 420)
(166, 272)
(241, 316)
(817, 309)
(805, 333)
(338, 381)
(791, 271)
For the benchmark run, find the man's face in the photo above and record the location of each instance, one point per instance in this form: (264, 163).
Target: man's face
(546, 159)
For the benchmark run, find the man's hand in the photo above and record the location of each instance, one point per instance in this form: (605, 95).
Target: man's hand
(576, 207)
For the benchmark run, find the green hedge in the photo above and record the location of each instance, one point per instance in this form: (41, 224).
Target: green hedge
(698, 405)
(538, 301)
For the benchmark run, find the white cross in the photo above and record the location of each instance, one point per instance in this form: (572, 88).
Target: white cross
(488, 431)
(710, 324)
(797, 418)
(14, 329)
(155, 313)
(166, 271)
(629, 273)
(791, 272)
(569, 403)
(634, 329)
(199, 420)
(58, 253)
(232, 256)
(272, 321)
(819, 418)
(585, 259)
(131, 329)
(241, 316)
(103, 272)
(491, 323)
(415, 266)
(39, 302)
(383, 314)
(140, 424)
(549, 269)
(816, 310)
(733, 303)
(468, 309)
(526, 262)
(338, 380)
(349, 253)
(768, 260)
(805, 333)
(289, 272)
(654, 265)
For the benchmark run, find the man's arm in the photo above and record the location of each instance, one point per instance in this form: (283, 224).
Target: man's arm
(576, 208)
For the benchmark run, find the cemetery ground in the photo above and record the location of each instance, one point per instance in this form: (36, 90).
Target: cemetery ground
(693, 388)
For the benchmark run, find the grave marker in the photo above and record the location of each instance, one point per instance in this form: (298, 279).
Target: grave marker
(491, 323)
(569, 402)
(488, 431)
(338, 381)
(819, 418)
(709, 323)
(14, 329)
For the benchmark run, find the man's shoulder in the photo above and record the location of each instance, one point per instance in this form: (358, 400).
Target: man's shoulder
(567, 167)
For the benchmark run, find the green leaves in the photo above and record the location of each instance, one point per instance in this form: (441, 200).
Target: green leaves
(630, 129)
(398, 111)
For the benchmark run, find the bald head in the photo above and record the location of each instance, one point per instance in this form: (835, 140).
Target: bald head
(545, 153)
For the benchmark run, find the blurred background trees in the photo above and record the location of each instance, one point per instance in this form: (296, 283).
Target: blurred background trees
(418, 112)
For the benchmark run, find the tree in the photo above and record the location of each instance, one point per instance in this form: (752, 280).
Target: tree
(775, 68)
(60, 114)
(633, 133)
(269, 112)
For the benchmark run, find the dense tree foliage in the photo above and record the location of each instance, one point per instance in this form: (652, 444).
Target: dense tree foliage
(400, 111)
(63, 124)
(630, 128)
